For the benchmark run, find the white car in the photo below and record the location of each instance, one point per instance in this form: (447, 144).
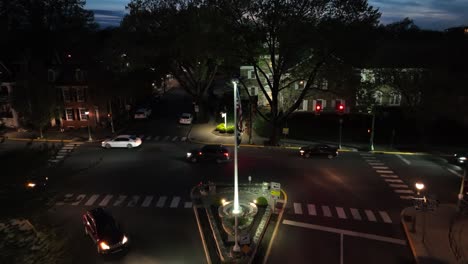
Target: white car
(142, 113)
(186, 119)
(122, 141)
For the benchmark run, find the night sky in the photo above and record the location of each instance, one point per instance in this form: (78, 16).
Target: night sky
(427, 14)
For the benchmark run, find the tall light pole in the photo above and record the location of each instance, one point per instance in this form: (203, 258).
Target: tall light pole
(223, 114)
(236, 209)
(341, 125)
(89, 129)
(462, 190)
(420, 187)
(372, 130)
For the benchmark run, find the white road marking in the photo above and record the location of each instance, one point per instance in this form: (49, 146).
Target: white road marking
(68, 196)
(297, 208)
(380, 167)
(133, 201)
(175, 202)
(188, 204)
(106, 200)
(389, 176)
(148, 138)
(406, 197)
(161, 201)
(370, 215)
(326, 211)
(356, 214)
(394, 180)
(341, 213)
(183, 139)
(166, 138)
(404, 191)
(60, 156)
(156, 138)
(455, 173)
(120, 200)
(346, 232)
(174, 138)
(147, 201)
(403, 159)
(92, 199)
(311, 209)
(67, 148)
(385, 217)
(385, 171)
(366, 154)
(78, 199)
(398, 186)
(376, 163)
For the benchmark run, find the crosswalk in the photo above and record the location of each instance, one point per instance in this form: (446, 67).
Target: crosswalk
(122, 200)
(65, 151)
(377, 216)
(157, 138)
(398, 185)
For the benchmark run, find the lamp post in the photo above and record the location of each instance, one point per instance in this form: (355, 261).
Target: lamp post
(462, 190)
(372, 130)
(419, 188)
(89, 129)
(236, 209)
(340, 132)
(223, 114)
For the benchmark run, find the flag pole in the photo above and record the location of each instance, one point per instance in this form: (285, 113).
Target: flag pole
(236, 209)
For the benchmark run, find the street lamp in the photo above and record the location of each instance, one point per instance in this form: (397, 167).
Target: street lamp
(423, 207)
(419, 187)
(236, 210)
(223, 114)
(89, 129)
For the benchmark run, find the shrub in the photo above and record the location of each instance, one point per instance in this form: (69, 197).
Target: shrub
(221, 128)
(262, 201)
(230, 129)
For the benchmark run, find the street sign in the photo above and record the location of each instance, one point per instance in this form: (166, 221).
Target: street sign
(275, 194)
(275, 190)
(275, 186)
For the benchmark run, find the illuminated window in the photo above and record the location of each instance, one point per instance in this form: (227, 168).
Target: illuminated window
(83, 115)
(395, 99)
(378, 97)
(69, 114)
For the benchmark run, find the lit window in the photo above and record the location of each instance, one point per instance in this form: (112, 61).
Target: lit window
(395, 99)
(83, 115)
(69, 114)
(378, 97)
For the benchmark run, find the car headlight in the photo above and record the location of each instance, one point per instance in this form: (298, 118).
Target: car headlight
(104, 246)
(462, 158)
(30, 185)
(301, 151)
(189, 154)
(124, 240)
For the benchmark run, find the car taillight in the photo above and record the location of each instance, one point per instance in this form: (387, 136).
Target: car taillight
(226, 154)
(301, 151)
(200, 153)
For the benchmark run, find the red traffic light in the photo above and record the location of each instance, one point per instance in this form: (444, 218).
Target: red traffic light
(341, 107)
(318, 107)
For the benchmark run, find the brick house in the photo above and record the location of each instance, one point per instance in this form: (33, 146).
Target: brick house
(8, 115)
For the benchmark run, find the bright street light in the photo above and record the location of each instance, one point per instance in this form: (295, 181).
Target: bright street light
(225, 121)
(89, 129)
(419, 186)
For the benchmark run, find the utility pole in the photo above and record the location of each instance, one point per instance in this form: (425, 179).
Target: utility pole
(236, 210)
(340, 132)
(111, 117)
(462, 190)
(372, 130)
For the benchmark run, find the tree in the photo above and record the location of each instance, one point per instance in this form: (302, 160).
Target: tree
(292, 41)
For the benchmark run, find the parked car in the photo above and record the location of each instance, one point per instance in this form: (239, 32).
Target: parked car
(217, 153)
(101, 227)
(143, 113)
(318, 150)
(185, 119)
(460, 158)
(122, 141)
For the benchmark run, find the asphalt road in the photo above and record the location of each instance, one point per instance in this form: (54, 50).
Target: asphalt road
(344, 210)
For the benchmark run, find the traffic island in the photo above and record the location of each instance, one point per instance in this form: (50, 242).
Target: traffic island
(216, 222)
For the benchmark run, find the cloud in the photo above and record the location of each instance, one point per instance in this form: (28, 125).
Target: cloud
(108, 18)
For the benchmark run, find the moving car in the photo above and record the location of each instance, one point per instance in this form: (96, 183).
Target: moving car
(122, 141)
(37, 182)
(217, 153)
(186, 119)
(318, 150)
(104, 231)
(142, 113)
(460, 158)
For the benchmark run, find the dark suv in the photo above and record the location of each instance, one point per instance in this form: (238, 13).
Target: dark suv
(318, 150)
(104, 231)
(217, 153)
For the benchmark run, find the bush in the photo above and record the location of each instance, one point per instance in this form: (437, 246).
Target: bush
(221, 128)
(262, 201)
(230, 129)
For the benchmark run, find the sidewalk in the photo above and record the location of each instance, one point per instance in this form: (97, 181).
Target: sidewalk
(439, 236)
(56, 135)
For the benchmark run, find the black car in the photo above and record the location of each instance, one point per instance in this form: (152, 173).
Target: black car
(460, 158)
(217, 153)
(38, 180)
(318, 150)
(104, 231)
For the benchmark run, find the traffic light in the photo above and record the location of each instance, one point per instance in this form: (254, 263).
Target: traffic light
(340, 108)
(318, 107)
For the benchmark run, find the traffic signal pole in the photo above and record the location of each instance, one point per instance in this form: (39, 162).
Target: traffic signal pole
(372, 131)
(462, 190)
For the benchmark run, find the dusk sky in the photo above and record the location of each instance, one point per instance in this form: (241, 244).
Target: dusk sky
(427, 14)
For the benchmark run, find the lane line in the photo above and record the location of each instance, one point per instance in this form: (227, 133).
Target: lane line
(389, 176)
(385, 217)
(341, 213)
(68, 196)
(404, 191)
(148, 138)
(385, 171)
(455, 173)
(106, 200)
(188, 204)
(147, 201)
(92, 199)
(403, 159)
(394, 180)
(156, 138)
(406, 197)
(120, 200)
(297, 208)
(183, 139)
(175, 202)
(355, 213)
(376, 163)
(346, 232)
(78, 199)
(326, 211)
(174, 139)
(165, 138)
(370, 215)
(380, 167)
(311, 209)
(161, 201)
(399, 186)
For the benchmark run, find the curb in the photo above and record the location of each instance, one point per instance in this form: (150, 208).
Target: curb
(205, 247)
(410, 241)
(38, 139)
(280, 217)
(397, 152)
